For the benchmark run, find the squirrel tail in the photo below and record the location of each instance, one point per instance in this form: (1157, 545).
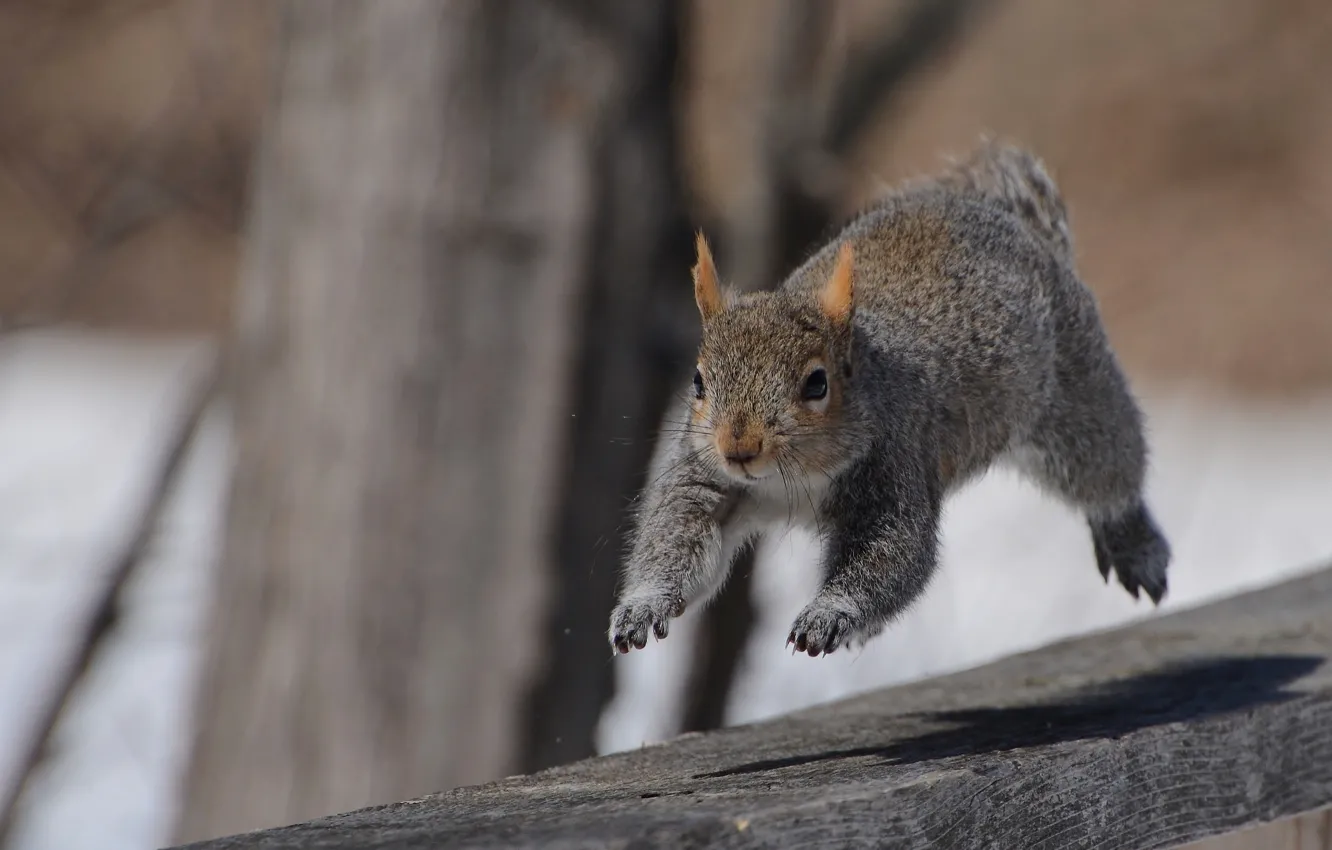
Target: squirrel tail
(1018, 180)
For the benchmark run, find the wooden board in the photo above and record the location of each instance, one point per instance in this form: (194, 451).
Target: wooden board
(1173, 729)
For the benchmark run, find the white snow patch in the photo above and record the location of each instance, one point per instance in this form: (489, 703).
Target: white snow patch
(82, 428)
(112, 776)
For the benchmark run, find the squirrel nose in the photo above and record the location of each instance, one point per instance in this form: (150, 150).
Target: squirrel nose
(743, 454)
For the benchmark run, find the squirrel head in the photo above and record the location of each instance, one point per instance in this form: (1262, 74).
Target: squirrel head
(769, 393)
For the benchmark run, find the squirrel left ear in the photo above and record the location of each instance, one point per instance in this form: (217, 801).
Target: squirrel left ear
(707, 291)
(838, 295)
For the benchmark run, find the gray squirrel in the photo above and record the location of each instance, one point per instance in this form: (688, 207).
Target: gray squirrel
(942, 331)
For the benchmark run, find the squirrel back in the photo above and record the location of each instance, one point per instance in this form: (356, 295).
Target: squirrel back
(1019, 181)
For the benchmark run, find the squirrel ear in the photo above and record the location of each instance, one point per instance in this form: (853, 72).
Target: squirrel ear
(707, 292)
(838, 293)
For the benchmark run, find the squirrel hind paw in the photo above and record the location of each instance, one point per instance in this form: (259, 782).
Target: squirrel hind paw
(1133, 546)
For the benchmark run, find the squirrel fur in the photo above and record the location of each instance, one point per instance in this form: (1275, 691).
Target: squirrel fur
(941, 332)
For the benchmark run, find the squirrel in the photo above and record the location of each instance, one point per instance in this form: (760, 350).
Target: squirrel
(943, 331)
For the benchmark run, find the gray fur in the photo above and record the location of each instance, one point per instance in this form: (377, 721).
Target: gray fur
(973, 342)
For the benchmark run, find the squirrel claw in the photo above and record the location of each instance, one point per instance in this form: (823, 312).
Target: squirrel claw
(820, 631)
(633, 621)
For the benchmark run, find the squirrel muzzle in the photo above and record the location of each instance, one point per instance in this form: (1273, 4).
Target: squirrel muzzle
(741, 448)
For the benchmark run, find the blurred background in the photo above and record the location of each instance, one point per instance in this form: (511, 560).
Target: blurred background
(334, 337)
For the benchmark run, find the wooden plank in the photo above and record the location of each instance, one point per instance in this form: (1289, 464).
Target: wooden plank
(1193, 724)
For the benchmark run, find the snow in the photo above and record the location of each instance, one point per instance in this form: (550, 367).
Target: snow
(1239, 487)
(82, 420)
(118, 755)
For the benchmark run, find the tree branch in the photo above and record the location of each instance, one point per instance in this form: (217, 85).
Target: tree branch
(927, 28)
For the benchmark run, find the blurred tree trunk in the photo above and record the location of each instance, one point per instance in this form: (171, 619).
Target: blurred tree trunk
(405, 341)
(639, 331)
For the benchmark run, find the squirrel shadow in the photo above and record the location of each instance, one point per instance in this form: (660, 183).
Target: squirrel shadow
(1178, 693)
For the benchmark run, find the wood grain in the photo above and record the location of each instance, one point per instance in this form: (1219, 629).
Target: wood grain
(1174, 729)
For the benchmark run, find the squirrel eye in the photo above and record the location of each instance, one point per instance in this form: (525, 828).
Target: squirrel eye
(698, 384)
(816, 386)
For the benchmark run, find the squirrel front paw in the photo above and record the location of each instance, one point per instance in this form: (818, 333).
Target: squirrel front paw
(635, 617)
(823, 627)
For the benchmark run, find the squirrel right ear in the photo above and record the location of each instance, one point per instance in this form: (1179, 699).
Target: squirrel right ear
(837, 298)
(707, 292)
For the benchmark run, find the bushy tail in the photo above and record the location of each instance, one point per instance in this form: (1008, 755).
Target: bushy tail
(1017, 179)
